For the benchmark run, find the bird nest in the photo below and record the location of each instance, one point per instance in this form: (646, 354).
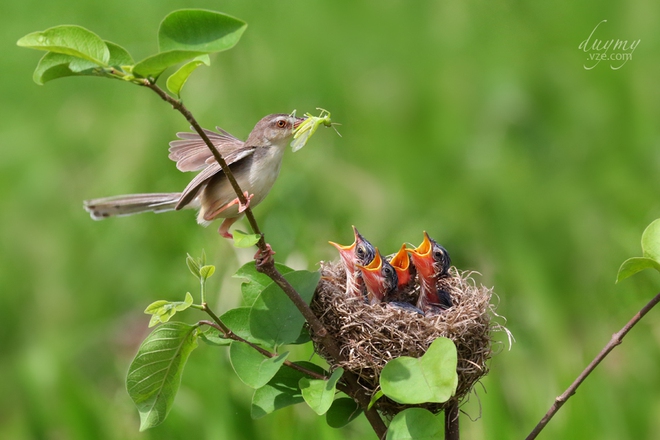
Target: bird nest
(371, 335)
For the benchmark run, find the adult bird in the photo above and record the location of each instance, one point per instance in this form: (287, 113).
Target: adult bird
(361, 252)
(254, 163)
(380, 279)
(432, 262)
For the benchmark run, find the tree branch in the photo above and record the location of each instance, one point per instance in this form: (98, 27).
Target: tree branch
(268, 268)
(614, 341)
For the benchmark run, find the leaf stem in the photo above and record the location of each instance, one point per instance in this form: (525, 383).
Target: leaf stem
(202, 292)
(614, 341)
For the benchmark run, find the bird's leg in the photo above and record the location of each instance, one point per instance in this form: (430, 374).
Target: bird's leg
(224, 227)
(211, 215)
(241, 206)
(263, 257)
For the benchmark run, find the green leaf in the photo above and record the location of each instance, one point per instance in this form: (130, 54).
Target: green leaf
(255, 281)
(162, 310)
(375, 398)
(178, 79)
(238, 321)
(252, 367)
(274, 319)
(650, 252)
(118, 55)
(56, 65)
(199, 30)
(415, 424)
(319, 394)
(193, 266)
(154, 375)
(69, 40)
(187, 34)
(245, 240)
(343, 411)
(206, 272)
(213, 336)
(154, 65)
(651, 241)
(430, 378)
(636, 264)
(157, 311)
(187, 302)
(47, 70)
(303, 338)
(281, 391)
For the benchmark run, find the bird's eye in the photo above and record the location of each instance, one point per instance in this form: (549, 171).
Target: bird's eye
(439, 254)
(360, 251)
(387, 270)
(281, 123)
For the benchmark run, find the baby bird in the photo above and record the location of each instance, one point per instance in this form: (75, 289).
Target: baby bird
(360, 253)
(432, 262)
(405, 272)
(380, 279)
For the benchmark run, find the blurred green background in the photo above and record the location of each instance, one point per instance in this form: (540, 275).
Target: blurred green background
(475, 121)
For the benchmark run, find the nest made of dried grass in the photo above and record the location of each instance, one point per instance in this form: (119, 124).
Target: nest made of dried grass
(371, 335)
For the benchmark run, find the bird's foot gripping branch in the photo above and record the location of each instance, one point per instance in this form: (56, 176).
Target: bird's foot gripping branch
(282, 307)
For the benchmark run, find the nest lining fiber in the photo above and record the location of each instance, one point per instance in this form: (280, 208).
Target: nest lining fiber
(371, 335)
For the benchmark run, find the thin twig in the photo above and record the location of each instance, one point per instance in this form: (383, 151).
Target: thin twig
(228, 334)
(614, 341)
(268, 268)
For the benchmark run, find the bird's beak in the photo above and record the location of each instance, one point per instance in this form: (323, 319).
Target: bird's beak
(401, 260)
(347, 254)
(425, 247)
(375, 265)
(358, 236)
(373, 277)
(401, 264)
(422, 257)
(297, 122)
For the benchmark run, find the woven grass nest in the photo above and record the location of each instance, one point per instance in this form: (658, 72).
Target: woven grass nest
(371, 335)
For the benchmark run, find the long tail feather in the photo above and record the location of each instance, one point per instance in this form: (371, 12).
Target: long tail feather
(130, 204)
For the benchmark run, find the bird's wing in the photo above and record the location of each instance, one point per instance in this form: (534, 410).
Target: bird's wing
(191, 153)
(190, 192)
